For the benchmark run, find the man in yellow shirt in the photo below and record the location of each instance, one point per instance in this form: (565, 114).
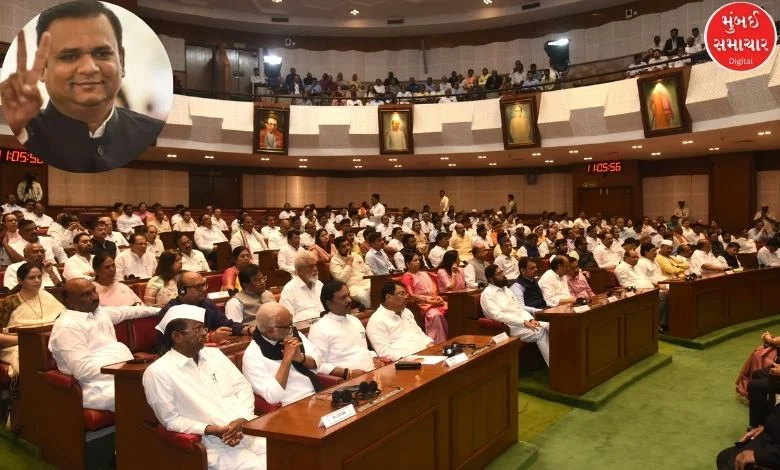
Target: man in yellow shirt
(462, 242)
(670, 266)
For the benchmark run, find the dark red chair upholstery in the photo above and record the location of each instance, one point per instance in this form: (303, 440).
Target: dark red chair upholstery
(178, 439)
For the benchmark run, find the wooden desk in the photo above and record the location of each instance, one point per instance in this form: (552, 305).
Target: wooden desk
(588, 348)
(441, 418)
(719, 300)
(461, 311)
(32, 358)
(601, 280)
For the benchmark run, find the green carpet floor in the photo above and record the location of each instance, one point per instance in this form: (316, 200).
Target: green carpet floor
(679, 417)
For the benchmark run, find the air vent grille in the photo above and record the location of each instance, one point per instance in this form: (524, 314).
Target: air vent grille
(280, 20)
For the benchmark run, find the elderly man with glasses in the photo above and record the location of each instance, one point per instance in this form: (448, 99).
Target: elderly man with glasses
(192, 289)
(280, 362)
(137, 262)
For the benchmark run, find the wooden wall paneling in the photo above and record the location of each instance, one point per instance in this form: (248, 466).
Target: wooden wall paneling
(199, 64)
(733, 190)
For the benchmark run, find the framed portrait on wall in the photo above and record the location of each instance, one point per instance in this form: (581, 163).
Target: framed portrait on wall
(518, 122)
(271, 129)
(662, 103)
(395, 130)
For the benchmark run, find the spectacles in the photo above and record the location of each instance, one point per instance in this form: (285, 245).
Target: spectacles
(284, 328)
(202, 285)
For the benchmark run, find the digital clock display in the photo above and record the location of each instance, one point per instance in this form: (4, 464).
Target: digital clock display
(605, 167)
(22, 156)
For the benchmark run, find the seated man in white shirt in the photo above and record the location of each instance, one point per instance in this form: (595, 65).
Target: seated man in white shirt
(500, 304)
(116, 237)
(554, 285)
(291, 250)
(208, 235)
(301, 295)
(155, 245)
(197, 390)
(278, 238)
(349, 268)
(392, 330)
(442, 245)
(83, 340)
(127, 220)
(646, 264)
(80, 264)
(746, 244)
(39, 217)
(768, 255)
(307, 237)
(508, 259)
(33, 253)
(137, 262)
(608, 254)
(186, 224)
(628, 275)
(28, 232)
(704, 261)
(287, 212)
(339, 336)
(191, 259)
(247, 236)
(474, 272)
(280, 362)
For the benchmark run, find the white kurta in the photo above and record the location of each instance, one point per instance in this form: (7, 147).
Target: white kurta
(10, 280)
(194, 262)
(286, 258)
(554, 287)
(128, 263)
(395, 336)
(261, 374)
(186, 397)
(83, 342)
(254, 241)
(341, 342)
(500, 304)
(627, 276)
(302, 302)
(767, 258)
(78, 267)
(205, 238)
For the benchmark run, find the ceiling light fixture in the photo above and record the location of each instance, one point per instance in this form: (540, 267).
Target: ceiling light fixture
(549, 161)
(265, 159)
(636, 146)
(536, 154)
(574, 151)
(451, 164)
(765, 133)
(302, 166)
(209, 157)
(355, 159)
(392, 159)
(171, 155)
(587, 159)
(358, 166)
(354, 12)
(444, 158)
(493, 163)
(487, 2)
(655, 154)
(686, 142)
(482, 157)
(712, 149)
(398, 166)
(277, 1)
(303, 159)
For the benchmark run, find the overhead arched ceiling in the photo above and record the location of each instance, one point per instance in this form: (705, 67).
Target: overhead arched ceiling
(333, 18)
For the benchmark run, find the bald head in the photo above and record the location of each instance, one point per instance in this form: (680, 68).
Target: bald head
(80, 295)
(194, 287)
(274, 321)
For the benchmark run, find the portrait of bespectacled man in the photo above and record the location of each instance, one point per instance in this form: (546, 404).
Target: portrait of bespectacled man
(87, 117)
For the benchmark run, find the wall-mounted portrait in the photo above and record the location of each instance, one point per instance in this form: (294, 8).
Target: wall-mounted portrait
(87, 86)
(662, 102)
(518, 122)
(272, 129)
(395, 130)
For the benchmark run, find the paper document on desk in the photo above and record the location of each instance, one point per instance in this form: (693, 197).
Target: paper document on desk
(425, 360)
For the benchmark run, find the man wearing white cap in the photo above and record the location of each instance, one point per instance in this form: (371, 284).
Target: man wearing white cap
(83, 340)
(197, 390)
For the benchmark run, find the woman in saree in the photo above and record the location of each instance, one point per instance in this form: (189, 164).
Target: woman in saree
(422, 289)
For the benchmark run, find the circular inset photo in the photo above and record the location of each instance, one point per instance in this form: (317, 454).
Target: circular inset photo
(86, 86)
